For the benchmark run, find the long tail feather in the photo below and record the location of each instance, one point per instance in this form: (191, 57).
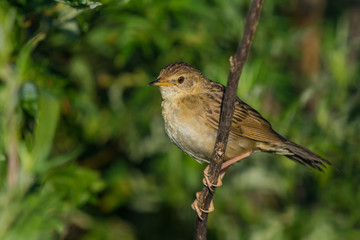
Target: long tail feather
(305, 156)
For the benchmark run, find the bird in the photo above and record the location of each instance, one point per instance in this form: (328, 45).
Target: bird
(191, 106)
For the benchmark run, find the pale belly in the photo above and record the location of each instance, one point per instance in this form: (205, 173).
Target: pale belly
(193, 138)
(190, 133)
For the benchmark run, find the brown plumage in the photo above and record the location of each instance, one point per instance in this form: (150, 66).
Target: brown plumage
(191, 110)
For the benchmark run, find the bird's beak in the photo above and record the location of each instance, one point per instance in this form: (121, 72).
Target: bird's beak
(160, 82)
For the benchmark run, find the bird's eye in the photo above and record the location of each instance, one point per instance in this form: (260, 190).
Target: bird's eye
(180, 79)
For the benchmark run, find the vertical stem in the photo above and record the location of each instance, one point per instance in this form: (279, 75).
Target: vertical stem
(11, 123)
(236, 65)
(13, 160)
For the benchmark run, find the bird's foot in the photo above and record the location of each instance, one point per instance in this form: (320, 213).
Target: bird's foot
(199, 210)
(207, 181)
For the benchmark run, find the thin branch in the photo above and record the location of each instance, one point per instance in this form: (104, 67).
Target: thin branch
(236, 65)
(13, 160)
(11, 121)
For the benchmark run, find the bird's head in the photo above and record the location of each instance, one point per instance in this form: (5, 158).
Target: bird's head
(178, 80)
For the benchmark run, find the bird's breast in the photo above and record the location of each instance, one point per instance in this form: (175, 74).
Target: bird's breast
(186, 127)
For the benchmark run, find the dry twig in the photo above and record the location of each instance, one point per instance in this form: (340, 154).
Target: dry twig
(236, 65)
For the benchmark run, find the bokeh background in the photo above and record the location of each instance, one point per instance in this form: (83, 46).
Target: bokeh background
(83, 152)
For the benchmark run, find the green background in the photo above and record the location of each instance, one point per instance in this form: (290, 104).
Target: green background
(83, 152)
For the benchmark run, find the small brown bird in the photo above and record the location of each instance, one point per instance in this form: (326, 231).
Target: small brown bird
(191, 110)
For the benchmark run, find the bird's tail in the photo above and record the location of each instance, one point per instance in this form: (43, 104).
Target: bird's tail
(305, 156)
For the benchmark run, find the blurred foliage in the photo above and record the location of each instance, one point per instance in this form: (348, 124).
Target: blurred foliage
(83, 153)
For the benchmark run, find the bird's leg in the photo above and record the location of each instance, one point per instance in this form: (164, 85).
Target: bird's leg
(211, 186)
(199, 210)
(224, 167)
(235, 159)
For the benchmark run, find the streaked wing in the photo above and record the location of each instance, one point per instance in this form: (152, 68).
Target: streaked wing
(247, 122)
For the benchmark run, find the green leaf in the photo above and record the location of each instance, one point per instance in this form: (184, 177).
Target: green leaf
(46, 122)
